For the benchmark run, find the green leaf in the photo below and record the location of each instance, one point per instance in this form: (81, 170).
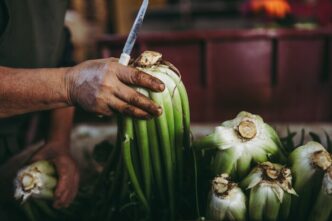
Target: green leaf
(302, 137)
(315, 137)
(288, 141)
(329, 142)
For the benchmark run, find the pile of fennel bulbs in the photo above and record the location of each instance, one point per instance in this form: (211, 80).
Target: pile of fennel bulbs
(150, 174)
(267, 182)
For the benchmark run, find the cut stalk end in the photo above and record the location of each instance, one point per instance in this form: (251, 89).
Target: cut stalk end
(247, 129)
(148, 59)
(272, 173)
(327, 182)
(36, 180)
(27, 182)
(322, 160)
(221, 185)
(275, 174)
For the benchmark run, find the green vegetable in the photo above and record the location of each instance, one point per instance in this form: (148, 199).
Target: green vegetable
(322, 208)
(308, 164)
(242, 142)
(269, 187)
(126, 146)
(161, 142)
(36, 180)
(226, 201)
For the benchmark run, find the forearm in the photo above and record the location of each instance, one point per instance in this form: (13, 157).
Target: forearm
(98, 86)
(61, 121)
(28, 90)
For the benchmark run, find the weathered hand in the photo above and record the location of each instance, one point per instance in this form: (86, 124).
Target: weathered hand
(103, 86)
(67, 171)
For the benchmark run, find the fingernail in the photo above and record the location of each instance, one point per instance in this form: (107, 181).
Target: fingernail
(161, 87)
(160, 111)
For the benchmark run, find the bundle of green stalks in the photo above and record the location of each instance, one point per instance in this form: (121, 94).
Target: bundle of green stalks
(311, 165)
(241, 144)
(152, 151)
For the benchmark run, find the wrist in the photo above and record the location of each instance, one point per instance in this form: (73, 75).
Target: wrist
(68, 77)
(57, 137)
(59, 146)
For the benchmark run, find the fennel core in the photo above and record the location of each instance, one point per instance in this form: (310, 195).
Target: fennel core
(247, 129)
(27, 181)
(221, 186)
(281, 176)
(269, 187)
(321, 159)
(37, 180)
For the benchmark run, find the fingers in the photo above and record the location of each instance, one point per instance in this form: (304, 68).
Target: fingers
(125, 108)
(106, 89)
(60, 194)
(64, 195)
(67, 186)
(104, 110)
(135, 77)
(137, 99)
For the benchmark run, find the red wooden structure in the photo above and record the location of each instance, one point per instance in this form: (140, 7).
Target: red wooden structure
(284, 75)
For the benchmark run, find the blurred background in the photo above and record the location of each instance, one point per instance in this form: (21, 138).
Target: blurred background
(269, 57)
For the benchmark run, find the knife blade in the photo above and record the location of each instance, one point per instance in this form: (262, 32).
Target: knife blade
(131, 39)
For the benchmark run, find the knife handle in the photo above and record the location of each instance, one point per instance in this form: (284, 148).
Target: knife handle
(124, 59)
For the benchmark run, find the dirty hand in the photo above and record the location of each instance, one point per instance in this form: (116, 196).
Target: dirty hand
(103, 86)
(67, 171)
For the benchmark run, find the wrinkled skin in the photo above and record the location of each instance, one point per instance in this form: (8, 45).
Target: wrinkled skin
(103, 86)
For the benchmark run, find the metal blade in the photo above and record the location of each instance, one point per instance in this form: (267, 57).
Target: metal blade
(135, 28)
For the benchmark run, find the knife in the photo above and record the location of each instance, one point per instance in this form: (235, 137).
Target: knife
(125, 56)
